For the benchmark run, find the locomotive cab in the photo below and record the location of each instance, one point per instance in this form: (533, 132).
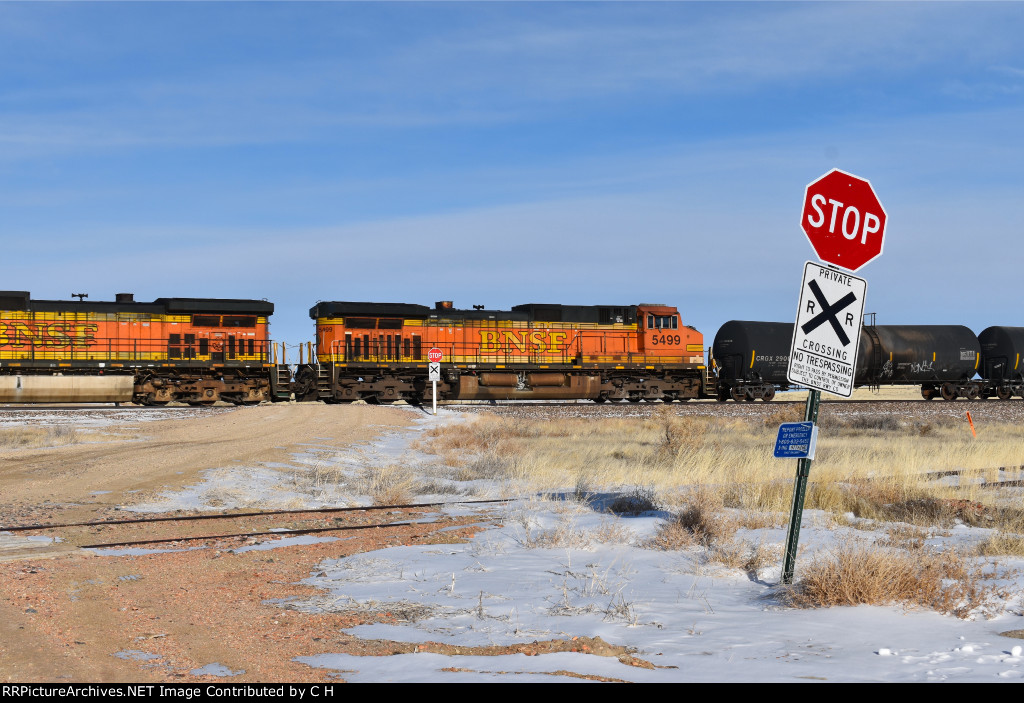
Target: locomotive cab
(661, 333)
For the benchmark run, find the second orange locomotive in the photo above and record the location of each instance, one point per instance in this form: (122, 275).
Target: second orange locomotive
(378, 352)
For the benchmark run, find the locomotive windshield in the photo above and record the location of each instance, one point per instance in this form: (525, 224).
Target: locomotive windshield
(662, 322)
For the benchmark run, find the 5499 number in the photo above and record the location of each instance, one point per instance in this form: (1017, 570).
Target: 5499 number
(666, 339)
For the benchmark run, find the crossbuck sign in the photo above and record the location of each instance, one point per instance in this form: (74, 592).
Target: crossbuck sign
(826, 337)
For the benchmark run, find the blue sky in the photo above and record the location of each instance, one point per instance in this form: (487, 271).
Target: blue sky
(504, 153)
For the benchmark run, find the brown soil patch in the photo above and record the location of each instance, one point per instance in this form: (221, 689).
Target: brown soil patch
(79, 617)
(83, 481)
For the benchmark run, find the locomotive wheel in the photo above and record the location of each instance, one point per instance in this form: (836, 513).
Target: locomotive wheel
(600, 399)
(948, 391)
(1004, 392)
(768, 395)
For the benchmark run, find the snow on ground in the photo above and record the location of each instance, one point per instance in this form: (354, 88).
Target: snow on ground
(694, 620)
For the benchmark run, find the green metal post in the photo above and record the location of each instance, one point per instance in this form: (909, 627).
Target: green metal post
(803, 470)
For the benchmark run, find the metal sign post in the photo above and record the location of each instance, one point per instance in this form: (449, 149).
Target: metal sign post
(845, 223)
(803, 470)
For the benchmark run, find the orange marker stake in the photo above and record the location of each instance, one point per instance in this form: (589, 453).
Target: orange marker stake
(971, 422)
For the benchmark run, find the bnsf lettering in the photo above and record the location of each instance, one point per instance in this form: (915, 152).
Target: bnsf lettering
(524, 342)
(51, 335)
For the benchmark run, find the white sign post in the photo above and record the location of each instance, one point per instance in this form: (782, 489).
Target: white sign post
(434, 357)
(826, 336)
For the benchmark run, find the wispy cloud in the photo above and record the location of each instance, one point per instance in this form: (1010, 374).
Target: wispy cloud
(493, 66)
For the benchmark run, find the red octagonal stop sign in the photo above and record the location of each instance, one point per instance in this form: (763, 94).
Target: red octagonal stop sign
(843, 219)
(435, 355)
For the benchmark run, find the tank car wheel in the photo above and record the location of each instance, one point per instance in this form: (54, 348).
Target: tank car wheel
(1004, 392)
(736, 394)
(927, 393)
(972, 393)
(748, 397)
(948, 391)
(768, 395)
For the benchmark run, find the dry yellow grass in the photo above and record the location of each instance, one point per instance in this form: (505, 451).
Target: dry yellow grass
(861, 466)
(717, 474)
(862, 574)
(32, 436)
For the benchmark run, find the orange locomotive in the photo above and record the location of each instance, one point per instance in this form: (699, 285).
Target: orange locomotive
(378, 352)
(184, 349)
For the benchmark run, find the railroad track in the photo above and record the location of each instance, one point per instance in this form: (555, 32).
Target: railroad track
(469, 405)
(79, 534)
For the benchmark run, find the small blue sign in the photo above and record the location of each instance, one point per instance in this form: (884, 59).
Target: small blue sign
(796, 440)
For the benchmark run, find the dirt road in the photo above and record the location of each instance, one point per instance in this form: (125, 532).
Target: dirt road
(75, 616)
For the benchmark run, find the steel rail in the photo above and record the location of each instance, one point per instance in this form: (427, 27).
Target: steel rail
(288, 533)
(258, 513)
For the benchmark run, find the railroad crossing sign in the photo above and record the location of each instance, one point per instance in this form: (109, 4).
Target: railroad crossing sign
(434, 371)
(435, 354)
(826, 336)
(843, 219)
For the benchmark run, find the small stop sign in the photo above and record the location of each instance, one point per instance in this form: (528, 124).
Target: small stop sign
(843, 219)
(435, 354)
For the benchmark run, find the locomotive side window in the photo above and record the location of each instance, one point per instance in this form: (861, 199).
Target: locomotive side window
(361, 323)
(206, 320)
(386, 324)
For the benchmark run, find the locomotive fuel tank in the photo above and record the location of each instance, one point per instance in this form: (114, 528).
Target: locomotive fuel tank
(916, 354)
(1001, 349)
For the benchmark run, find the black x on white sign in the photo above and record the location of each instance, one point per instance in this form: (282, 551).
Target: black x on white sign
(826, 336)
